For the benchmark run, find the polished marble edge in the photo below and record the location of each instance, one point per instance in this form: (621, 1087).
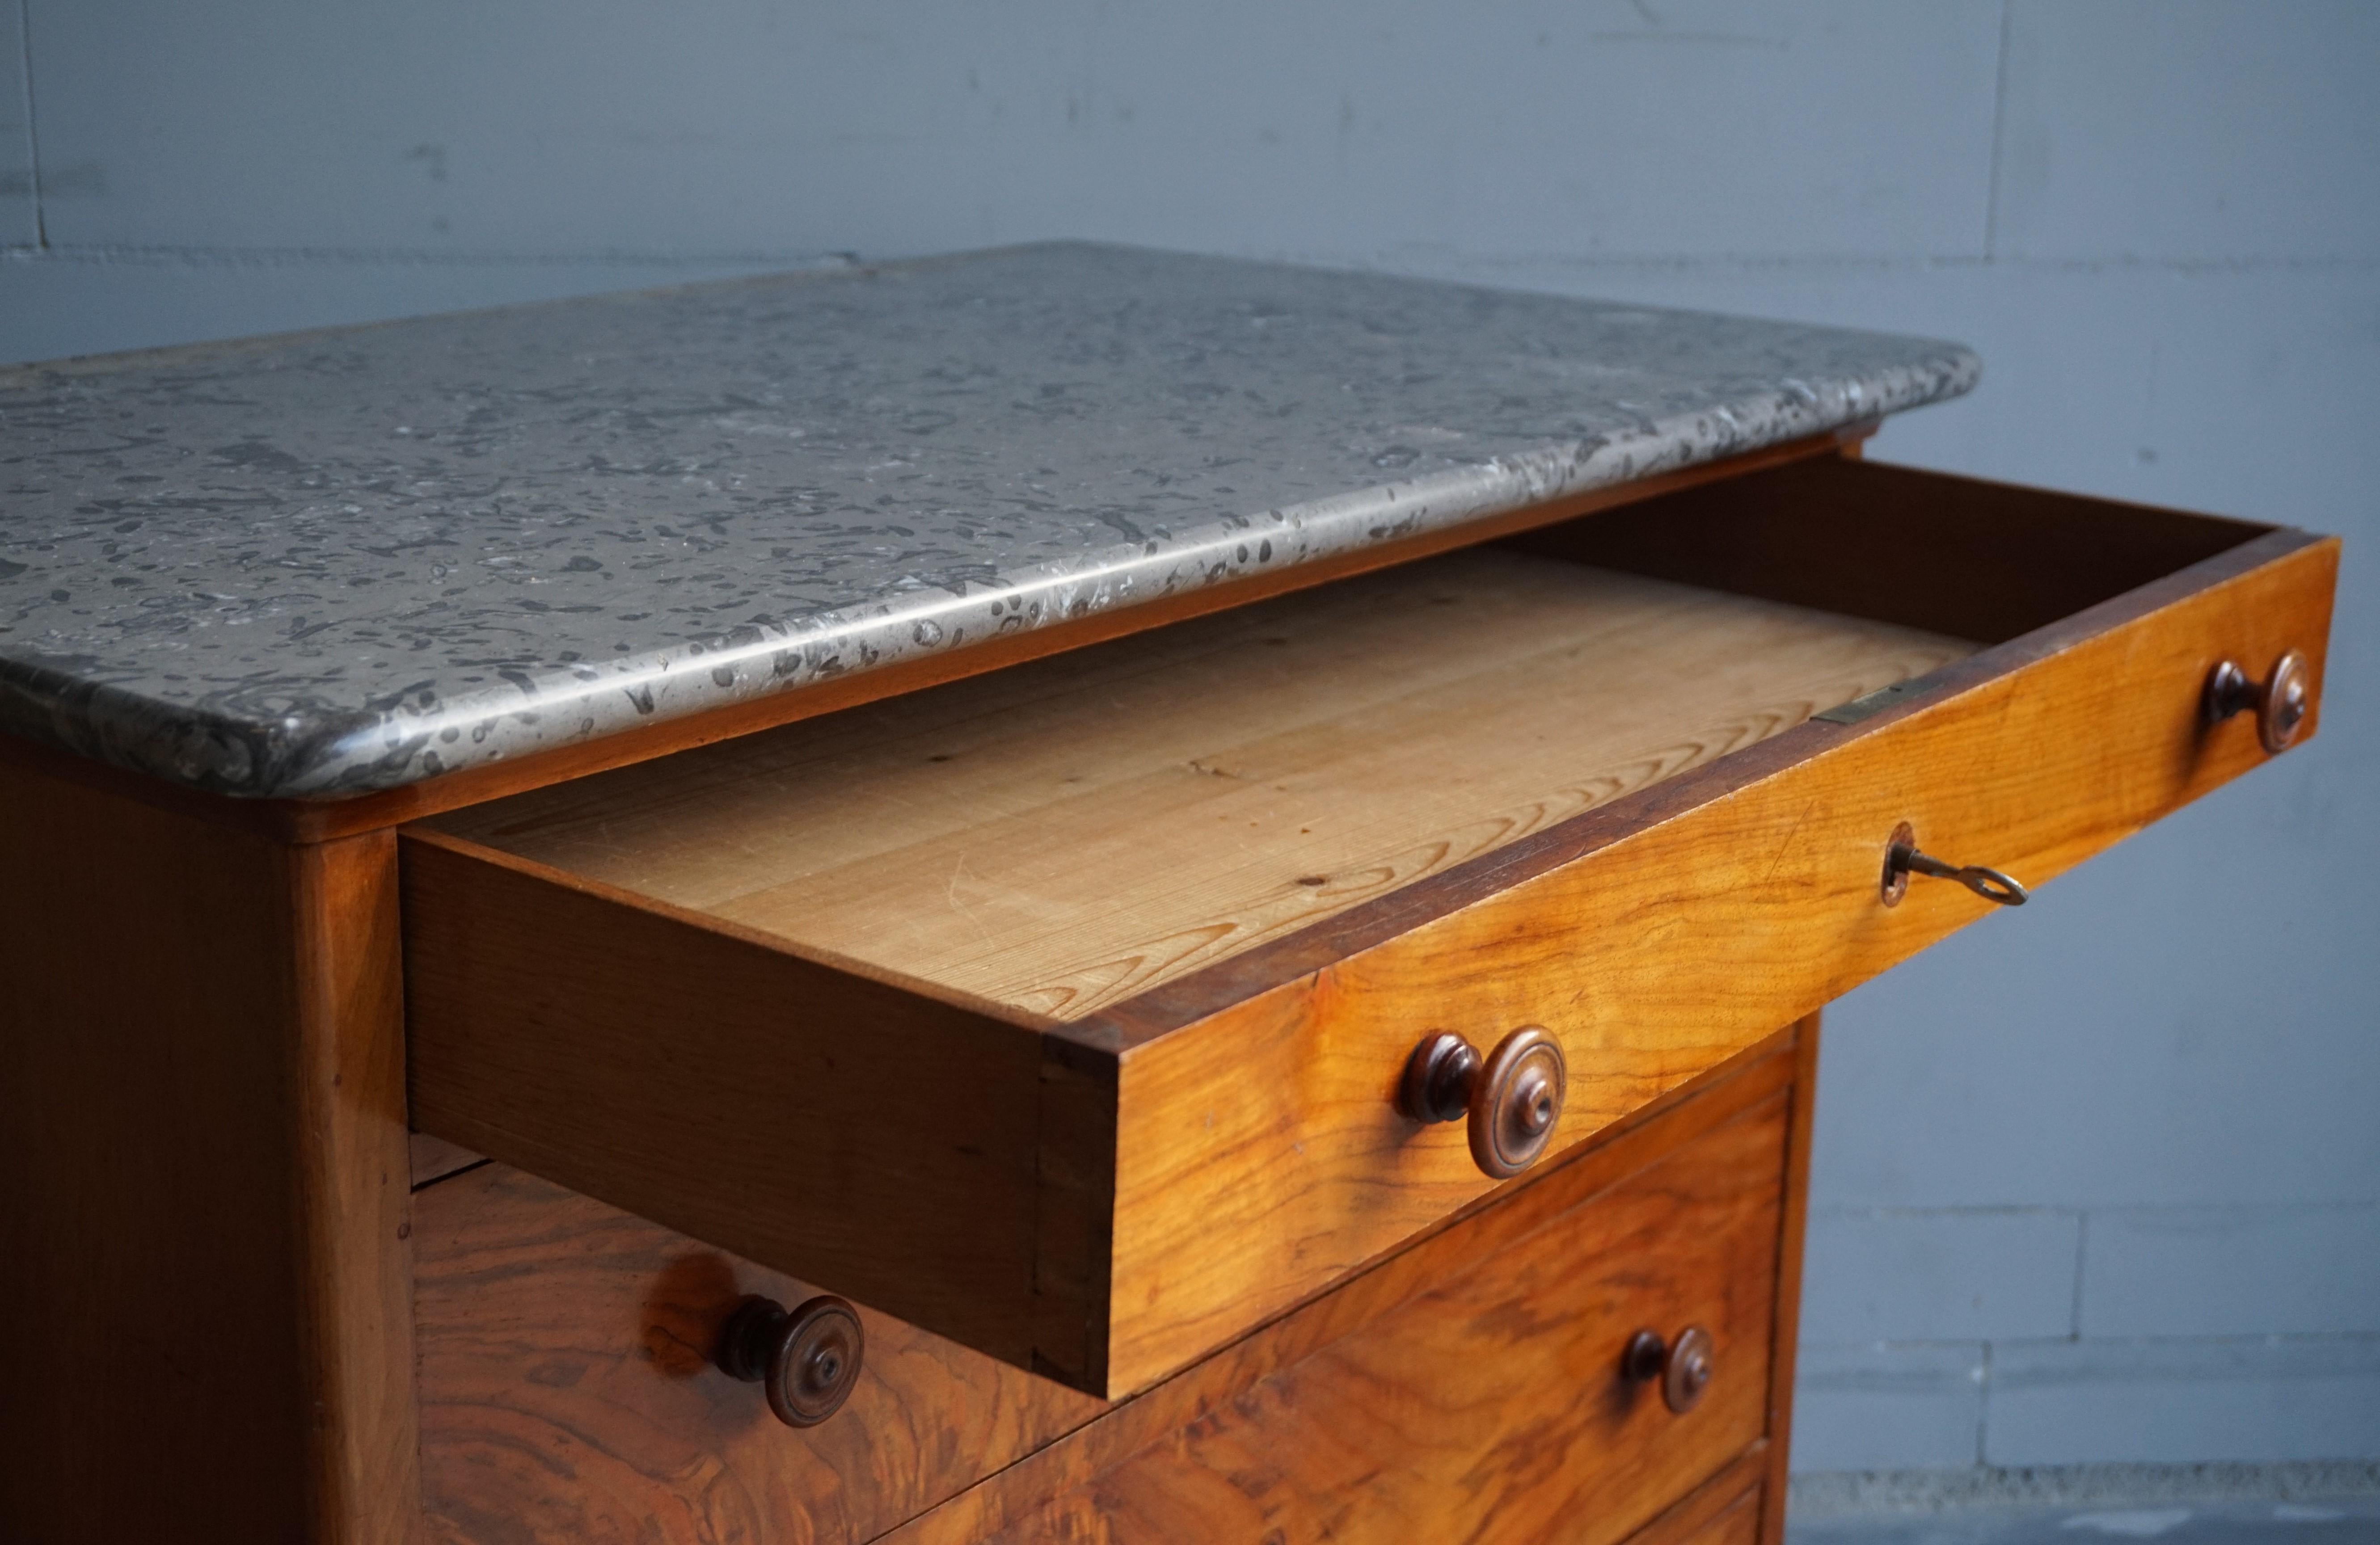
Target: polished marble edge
(193, 745)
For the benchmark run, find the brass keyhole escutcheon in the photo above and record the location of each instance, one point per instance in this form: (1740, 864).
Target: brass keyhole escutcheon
(1901, 860)
(1512, 1100)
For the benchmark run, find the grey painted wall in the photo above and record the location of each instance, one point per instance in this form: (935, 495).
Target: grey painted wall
(2098, 1181)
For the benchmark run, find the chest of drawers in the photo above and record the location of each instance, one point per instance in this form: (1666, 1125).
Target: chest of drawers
(1292, 1027)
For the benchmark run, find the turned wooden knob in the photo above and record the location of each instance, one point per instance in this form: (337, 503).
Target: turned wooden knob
(1688, 1370)
(808, 1361)
(1511, 1101)
(2281, 701)
(1684, 1367)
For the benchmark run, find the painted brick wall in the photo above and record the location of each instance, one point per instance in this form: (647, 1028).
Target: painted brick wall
(2099, 1180)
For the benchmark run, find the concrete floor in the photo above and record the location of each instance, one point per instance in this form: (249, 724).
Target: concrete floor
(2339, 1521)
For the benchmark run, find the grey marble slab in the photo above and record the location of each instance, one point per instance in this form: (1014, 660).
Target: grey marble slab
(334, 562)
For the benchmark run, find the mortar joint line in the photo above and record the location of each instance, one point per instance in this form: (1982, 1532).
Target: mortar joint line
(2000, 129)
(33, 134)
(1984, 1408)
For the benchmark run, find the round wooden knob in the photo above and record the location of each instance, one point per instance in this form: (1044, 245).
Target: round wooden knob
(1684, 1366)
(1510, 1100)
(2288, 692)
(2281, 701)
(1515, 1100)
(1642, 1358)
(1687, 1370)
(808, 1361)
(1438, 1079)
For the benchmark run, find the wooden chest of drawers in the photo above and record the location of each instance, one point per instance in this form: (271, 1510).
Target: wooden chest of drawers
(1309, 1071)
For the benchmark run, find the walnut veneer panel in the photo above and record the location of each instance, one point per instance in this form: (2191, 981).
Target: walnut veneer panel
(1466, 1388)
(567, 1394)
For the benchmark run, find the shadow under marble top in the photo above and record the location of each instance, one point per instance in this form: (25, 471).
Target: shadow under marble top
(333, 562)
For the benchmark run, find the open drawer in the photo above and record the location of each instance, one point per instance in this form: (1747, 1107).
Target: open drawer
(1066, 1010)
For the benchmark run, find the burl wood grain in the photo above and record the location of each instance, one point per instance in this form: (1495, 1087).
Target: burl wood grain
(202, 1131)
(1063, 834)
(1468, 1389)
(567, 1396)
(1655, 938)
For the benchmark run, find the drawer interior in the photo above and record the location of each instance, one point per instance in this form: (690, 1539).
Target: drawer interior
(1989, 562)
(1063, 834)
(1062, 1009)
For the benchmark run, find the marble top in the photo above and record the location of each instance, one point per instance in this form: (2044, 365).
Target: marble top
(334, 562)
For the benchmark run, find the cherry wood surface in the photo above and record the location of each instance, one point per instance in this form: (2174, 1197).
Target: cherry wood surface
(1739, 1524)
(1786, 1339)
(885, 1144)
(202, 1135)
(1654, 937)
(435, 1158)
(1727, 1509)
(567, 1395)
(1066, 834)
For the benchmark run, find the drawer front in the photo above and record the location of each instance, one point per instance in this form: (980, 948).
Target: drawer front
(567, 1393)
(1470, 1387)
(1259, 1150)
(1740, 1525)
(1107, 1200)
(1735, 1523)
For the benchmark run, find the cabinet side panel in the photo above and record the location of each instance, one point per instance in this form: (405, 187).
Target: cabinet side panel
(1785, 1339)
(352, 1178)
(202, 1140)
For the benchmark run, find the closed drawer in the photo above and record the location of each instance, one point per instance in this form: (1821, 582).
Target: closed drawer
(1471, 1387)
(568, 1390)
(1063, 1012)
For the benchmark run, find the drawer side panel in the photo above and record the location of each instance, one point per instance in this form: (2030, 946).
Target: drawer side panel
(880, 1142)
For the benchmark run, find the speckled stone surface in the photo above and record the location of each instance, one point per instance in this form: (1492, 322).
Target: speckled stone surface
(343, 561)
